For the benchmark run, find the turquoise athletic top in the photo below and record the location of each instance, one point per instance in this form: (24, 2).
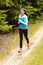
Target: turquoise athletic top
(23, 19)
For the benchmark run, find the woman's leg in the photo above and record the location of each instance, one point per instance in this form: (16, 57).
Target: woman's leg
(21, 37)
(26, 37)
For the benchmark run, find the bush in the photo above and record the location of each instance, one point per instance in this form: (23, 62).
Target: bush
(9, 12)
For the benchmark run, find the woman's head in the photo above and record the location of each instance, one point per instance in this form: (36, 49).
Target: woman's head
(23, 11)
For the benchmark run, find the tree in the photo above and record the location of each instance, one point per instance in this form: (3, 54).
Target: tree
(9, 11)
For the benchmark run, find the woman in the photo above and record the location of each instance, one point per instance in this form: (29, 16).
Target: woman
(23, 28)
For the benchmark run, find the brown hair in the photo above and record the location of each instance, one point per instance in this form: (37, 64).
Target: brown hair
(24, 11)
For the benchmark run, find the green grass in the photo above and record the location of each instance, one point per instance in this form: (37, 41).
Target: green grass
(31, 29)
(36, 56)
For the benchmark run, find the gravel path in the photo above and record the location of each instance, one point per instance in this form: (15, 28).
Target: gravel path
(14, 58)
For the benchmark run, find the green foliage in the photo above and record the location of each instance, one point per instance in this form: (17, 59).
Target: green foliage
(5, 27)
(9, 11)
(3, 23)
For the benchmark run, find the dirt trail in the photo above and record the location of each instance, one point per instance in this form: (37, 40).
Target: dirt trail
(14, 58)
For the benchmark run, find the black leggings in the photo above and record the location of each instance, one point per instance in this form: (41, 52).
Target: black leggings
(25, 32)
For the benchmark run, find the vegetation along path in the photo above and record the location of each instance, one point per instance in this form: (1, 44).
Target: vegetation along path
(14, 58)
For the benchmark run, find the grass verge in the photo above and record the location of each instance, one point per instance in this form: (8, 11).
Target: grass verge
(36, 56)
(31, 29)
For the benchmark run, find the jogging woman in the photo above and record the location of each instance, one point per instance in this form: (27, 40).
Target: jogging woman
(23, 28)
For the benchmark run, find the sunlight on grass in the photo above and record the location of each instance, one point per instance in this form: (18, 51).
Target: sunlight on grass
(36, 56)
(31, 29)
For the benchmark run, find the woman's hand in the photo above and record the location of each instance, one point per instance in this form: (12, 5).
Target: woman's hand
(18, 22)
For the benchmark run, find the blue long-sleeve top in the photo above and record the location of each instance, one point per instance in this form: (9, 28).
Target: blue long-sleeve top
(23, 19)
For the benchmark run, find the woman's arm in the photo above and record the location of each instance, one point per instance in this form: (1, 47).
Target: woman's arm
(26, 21)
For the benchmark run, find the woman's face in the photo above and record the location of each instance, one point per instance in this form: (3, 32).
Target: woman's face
(22, 12)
